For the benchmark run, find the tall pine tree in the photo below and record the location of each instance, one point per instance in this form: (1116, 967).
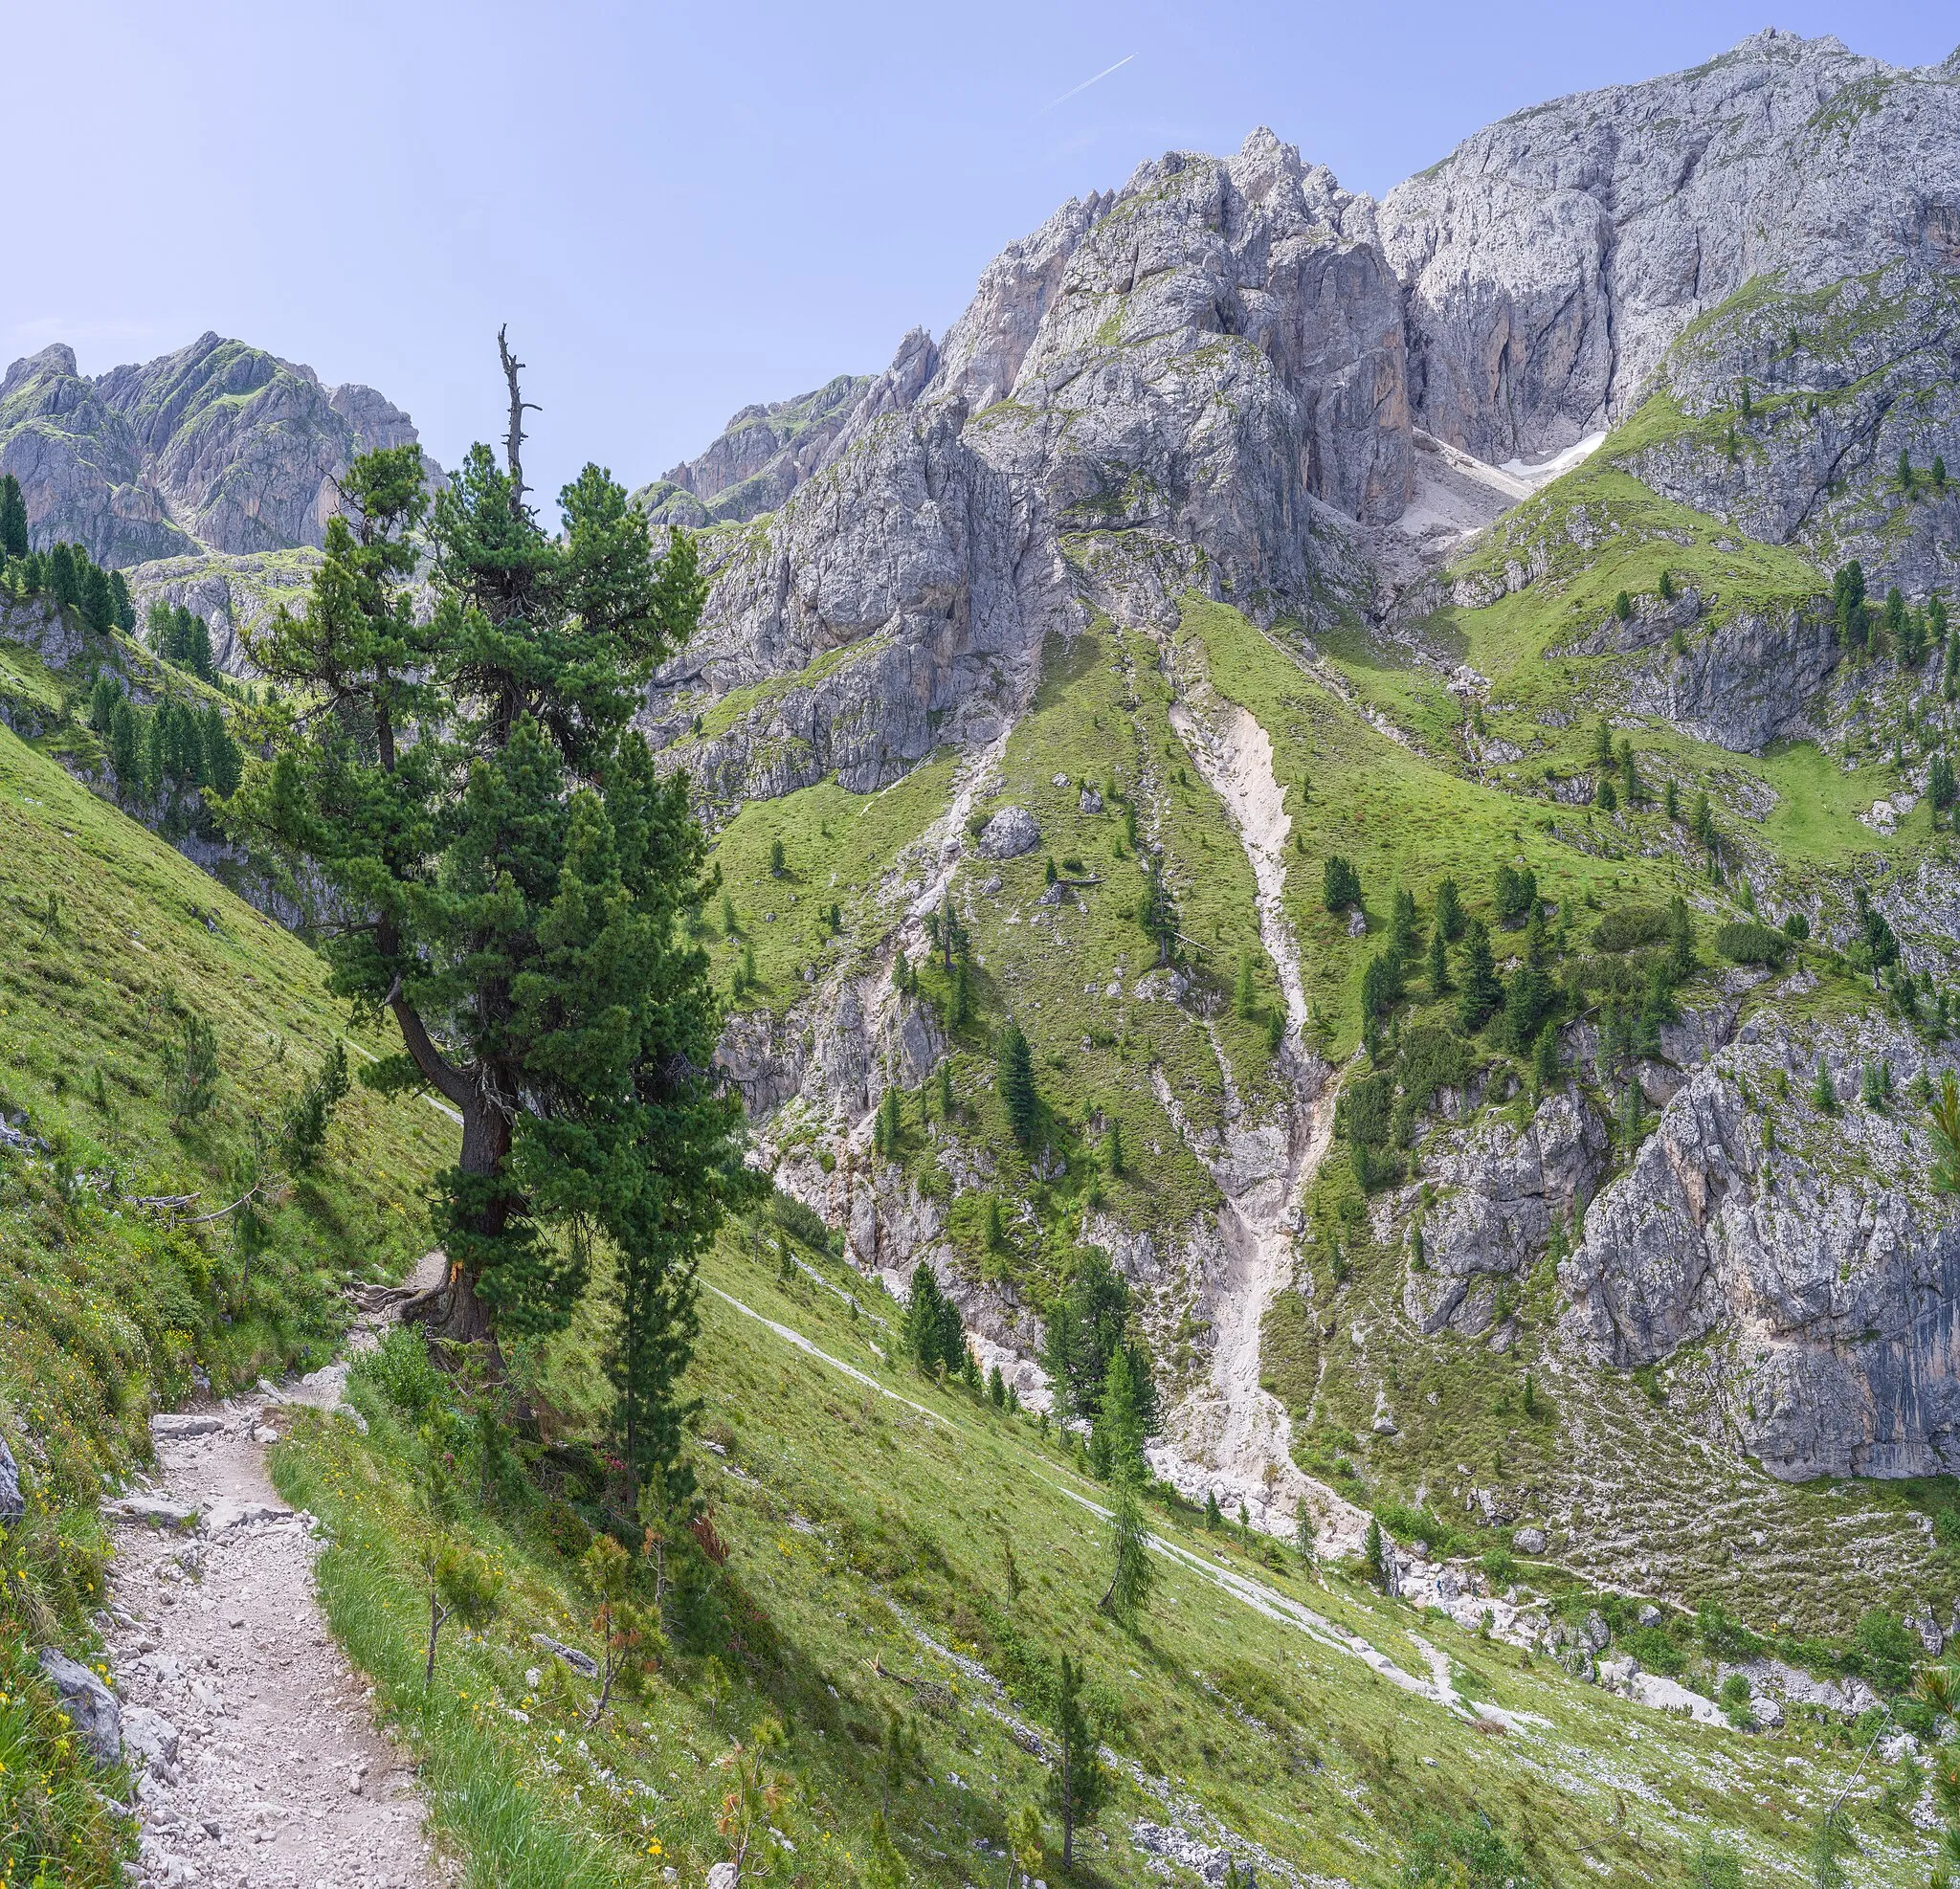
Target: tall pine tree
(468, 781)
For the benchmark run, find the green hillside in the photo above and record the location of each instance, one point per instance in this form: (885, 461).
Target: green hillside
(116, 955)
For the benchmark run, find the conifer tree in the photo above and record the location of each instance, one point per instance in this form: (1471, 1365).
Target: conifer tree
(103, 698)
(13, 537)
(62, 583)
(97, 602)
(1449, 910)
(1439, 961)
(1215, 1519)
(469, 777)
(1670, 802)
(1602, 748)
(119, 596)
(1242, 992)
(1544, 1058)
(1481, 990)
(1131, 1575)
(1018, 1096)
(1823, 1092)
(1121, 1417)
(1078, 1785)
(1376, 1552)
(1680, 941)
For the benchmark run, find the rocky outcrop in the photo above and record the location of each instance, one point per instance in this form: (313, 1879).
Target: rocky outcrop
(1806, 1244)
(1551, 260)
(1498, 1191)
(908, 587)
(78, 464)
(1794, 407)
(1750, 679)
(235, 594)
(12, 1502)
(90, 1706)
(216, 448)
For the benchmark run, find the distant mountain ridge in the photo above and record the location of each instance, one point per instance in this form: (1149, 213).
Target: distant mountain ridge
(219, 447)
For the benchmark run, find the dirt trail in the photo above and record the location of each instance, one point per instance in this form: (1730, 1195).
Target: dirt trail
(250, 1735)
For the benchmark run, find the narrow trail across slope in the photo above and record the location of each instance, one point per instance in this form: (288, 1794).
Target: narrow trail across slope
(258, 1763)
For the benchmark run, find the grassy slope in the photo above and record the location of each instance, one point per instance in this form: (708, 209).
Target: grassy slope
(103, 1312)
(868, 1548)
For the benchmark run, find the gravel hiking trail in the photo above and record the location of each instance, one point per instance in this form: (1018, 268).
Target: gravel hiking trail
(250, 1737)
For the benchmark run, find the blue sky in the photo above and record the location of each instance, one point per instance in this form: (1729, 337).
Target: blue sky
(681, 210)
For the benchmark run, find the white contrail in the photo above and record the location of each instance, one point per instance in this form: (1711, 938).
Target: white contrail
(1087, 82)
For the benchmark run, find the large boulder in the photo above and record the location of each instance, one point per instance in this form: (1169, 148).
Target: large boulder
(1011, 833)
(91, 1707)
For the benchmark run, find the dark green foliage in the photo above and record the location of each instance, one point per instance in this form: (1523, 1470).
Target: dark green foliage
(1703, 825)
(1078, 1785)
(1340, 883)
(778, 864)
(1018, 1096)
(1119, 1418)
(1607, 798)
(934, 1337)
(469, 776)
(1749, 942)
(1243, 990)
(1892, 617)
(1381, 983)
(1157, 913)
(1680, 941)
(1544, 1058)
(1439, 966)
(1797, 926)
(1670, 801)
(120, 599)
(1086, 1325)
(1911, 638)
(1376, 1551)
(1630, 788)
(1848, 605)
(13, 541)
(1940, 782)
(1526, 999)
(178, 636)
(1623, 606)
(1479, 991)
(1875, 945)
(1402, 924)
(102, 702)
(1602, 748)
(1449, 910)
(303, 1138)
(1629, 928)
(1824, 1091)
(97, 602)
(1514, 893)
(125, 747)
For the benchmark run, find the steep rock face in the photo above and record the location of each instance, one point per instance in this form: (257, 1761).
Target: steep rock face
(78, 464)
(244, 446)
(1795, 408)
(235, 595)
(1553, 257)
(218, 448)
(1744, 684)
(909, 586)
(1808, 1245)
(1499, 1194)
(1217, 346)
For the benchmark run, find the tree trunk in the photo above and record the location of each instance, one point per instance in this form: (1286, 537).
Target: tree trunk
(454, 1313)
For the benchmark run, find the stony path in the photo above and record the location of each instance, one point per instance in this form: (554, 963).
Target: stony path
(257, 1759)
